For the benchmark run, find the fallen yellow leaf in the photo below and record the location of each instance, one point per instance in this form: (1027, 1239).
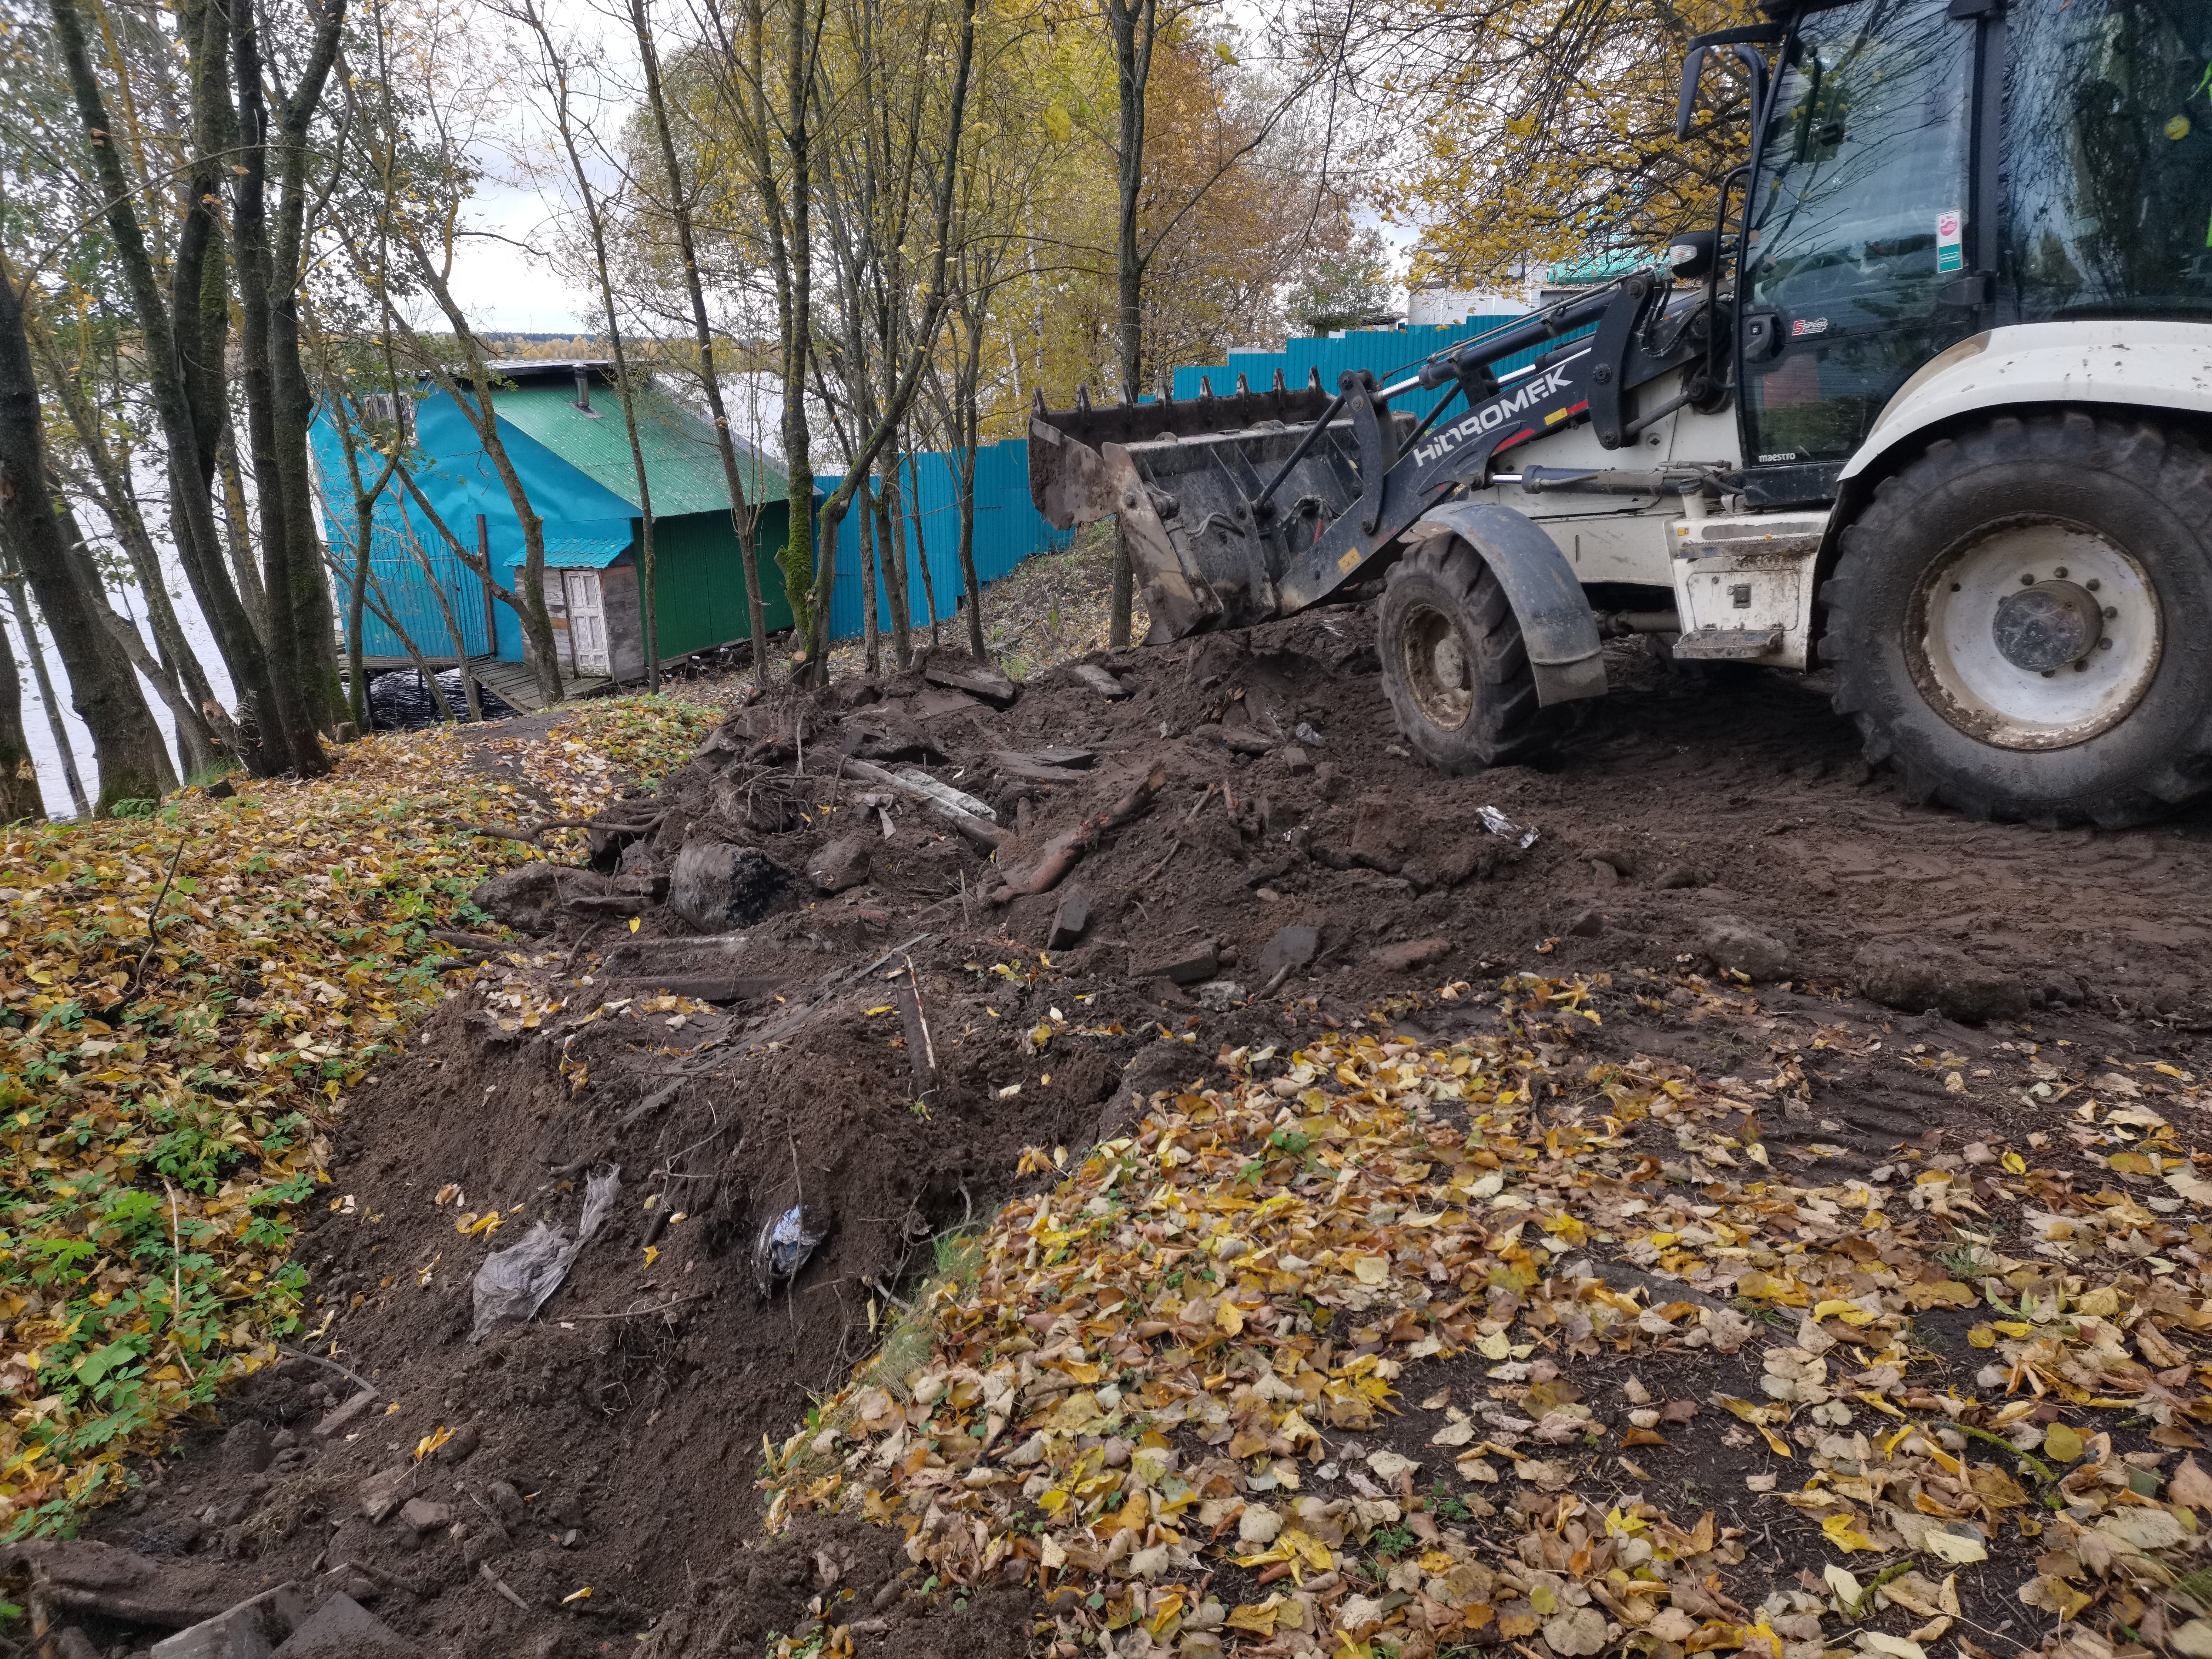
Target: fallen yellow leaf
(1843, 1532)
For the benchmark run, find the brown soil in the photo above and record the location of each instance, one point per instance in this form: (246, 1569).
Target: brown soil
(629, 1415)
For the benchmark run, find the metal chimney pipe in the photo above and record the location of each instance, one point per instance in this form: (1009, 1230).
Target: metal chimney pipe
(583, 388)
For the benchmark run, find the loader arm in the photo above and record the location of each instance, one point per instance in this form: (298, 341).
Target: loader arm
(1290, 495)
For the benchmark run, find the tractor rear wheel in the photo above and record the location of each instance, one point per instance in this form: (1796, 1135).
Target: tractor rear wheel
(2018, 621)
(1454, 666)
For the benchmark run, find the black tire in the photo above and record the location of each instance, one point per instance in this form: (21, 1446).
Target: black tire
(1454, 666)
(1979, 724)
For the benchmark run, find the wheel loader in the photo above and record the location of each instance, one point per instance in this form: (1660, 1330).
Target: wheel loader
(1929, 405)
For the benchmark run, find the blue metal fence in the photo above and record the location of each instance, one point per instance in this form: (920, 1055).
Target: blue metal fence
(1385, 353)
(1008, 529)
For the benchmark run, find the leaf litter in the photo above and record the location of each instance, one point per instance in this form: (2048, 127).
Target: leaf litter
(1152, 1398)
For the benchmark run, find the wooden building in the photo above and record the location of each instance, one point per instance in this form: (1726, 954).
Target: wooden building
(561, 427)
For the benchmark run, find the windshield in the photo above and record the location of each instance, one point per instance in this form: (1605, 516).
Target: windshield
(1858, 224)
(2108, 159)
(1865, 154)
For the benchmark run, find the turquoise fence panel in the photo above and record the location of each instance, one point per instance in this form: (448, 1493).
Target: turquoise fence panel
(1008, 530)
(1386, 353)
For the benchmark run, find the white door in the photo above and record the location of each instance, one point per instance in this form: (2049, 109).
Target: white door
(587, 623)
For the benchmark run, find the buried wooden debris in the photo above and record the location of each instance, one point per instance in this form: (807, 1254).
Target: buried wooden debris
(971, 816)
(1031, 770)
(1060, 853)
(977, 679)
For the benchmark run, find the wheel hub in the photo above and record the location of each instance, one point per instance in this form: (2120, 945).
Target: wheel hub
(2048, 626)
(2035, 633)
(1437, 670)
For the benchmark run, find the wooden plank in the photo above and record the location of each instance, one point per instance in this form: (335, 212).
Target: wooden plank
(1014, 763)
(977, 679)
(518, 687)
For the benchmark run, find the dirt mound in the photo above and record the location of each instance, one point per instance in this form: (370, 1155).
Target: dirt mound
(879, 1048)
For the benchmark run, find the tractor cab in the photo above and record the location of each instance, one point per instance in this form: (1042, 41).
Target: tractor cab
(1926, 170)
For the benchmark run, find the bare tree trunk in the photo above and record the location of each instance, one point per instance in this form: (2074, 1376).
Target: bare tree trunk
(372, 595)
(453, 633)
(460, 371)
(893, 554)
(554, 67)
(868, 631)
(124, 632)
(315, 631)
(19, 796)
(133, 760)
(179, 668)
(343, 414)
(19, 599)
(1133, 25)
(296, 626)
(197, 544)
(922, 550)
(968, 421)
(743, 518)
(239, 522)
(910, 379)
(801, 564)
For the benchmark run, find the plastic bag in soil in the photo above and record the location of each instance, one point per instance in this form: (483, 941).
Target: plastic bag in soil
(515, 1283)
(784, 1245)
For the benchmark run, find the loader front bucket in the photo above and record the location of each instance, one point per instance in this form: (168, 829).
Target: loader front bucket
(1065, 444)
(1182, 477)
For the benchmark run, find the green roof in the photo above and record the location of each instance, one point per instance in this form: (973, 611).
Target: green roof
(586, 552)
(683, 462)
(1600, 267)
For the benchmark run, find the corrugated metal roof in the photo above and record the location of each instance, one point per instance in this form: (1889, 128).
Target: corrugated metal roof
(587, 552)
(683, 462)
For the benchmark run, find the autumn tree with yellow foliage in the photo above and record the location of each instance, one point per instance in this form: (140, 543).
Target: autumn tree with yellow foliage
(1547, 127)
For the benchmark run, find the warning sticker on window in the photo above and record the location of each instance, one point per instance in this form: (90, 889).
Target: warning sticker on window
(1950, 252)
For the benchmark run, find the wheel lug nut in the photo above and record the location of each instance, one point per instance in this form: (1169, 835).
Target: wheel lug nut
(2093, 584)
(2059, 573)
(2048, 672)
(2103, 645)
(2110, 611)
(2027, 579)
(2080, 665)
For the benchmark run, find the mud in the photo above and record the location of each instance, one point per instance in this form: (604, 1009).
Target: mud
(868, 1054)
